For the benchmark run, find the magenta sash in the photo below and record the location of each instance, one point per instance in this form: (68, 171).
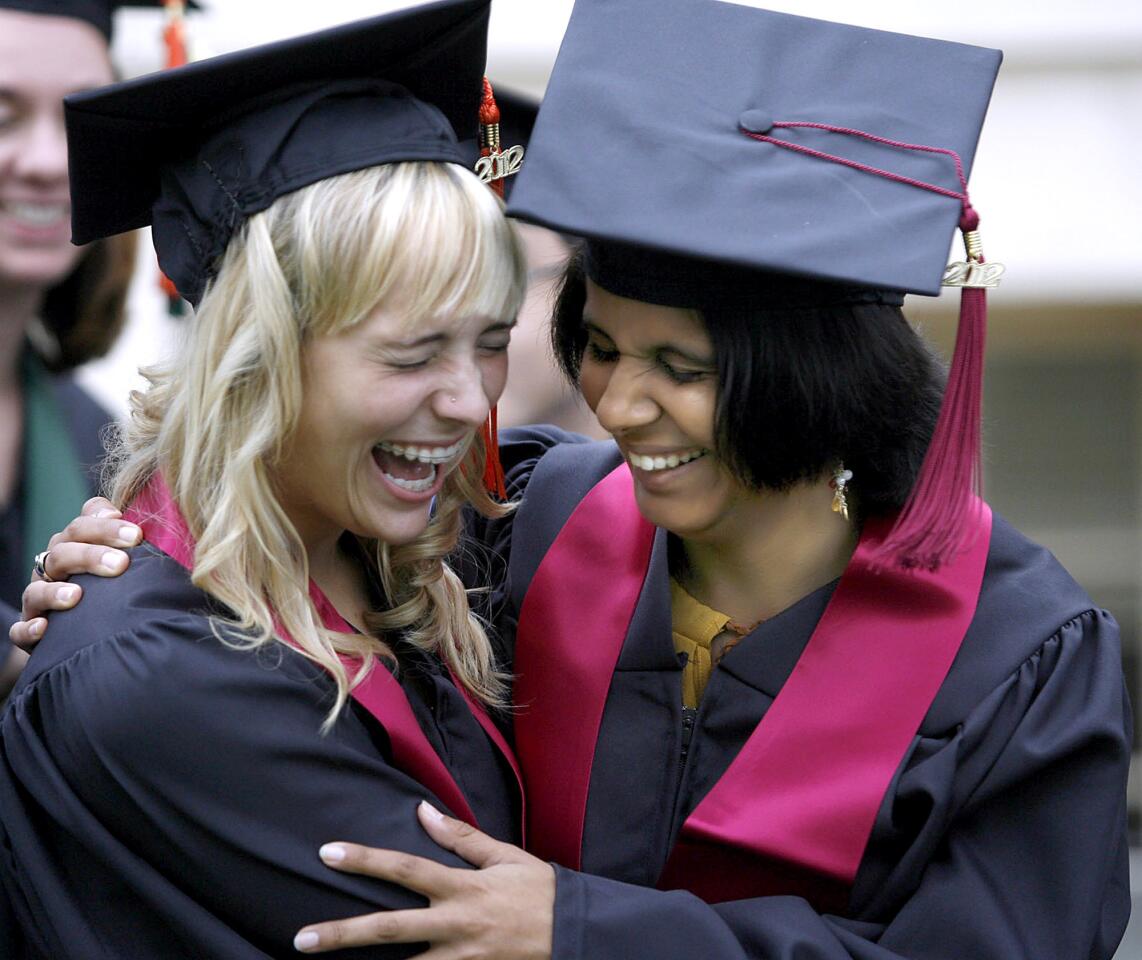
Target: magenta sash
(572, 624)
(793, 812)
(379, 693)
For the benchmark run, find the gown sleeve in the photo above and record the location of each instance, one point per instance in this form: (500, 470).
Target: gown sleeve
(1031, 860)
(164, 795)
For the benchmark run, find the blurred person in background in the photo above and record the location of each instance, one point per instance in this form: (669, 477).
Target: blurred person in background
(537, 392)
(60, 305)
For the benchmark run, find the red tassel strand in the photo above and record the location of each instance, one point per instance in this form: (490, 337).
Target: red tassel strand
(932, 528)
(494, 481)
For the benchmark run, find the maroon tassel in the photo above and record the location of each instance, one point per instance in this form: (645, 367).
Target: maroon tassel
(494, 481)
(933, 526)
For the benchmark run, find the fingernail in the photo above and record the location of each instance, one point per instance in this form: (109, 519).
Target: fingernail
(332, 853)
(105, 513)
(113, 561)
(130, 534)
(36, 628)
(431, 811)
(68, 594)
(306, 940)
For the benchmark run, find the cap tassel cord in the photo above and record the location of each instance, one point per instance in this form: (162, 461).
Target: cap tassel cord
(490, 147)
(495, 163)
(174, 40)
(494, 481)
(932, 527)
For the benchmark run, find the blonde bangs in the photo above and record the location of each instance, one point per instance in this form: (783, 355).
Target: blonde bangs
(466, 259)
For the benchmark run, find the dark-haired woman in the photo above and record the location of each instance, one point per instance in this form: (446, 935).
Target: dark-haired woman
(785, 687)
(757, 716)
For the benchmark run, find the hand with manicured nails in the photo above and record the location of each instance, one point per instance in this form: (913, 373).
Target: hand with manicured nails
(81, 547)
(502, 910)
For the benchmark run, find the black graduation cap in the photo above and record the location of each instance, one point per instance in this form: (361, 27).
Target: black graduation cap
(195, 150)
(689, 139)
(96, 12)
(640, 139)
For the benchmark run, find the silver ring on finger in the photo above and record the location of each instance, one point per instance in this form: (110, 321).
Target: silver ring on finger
(39, 568)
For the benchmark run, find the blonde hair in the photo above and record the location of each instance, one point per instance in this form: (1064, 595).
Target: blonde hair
(216, 420)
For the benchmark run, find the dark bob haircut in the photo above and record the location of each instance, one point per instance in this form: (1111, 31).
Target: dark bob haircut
(803, 388)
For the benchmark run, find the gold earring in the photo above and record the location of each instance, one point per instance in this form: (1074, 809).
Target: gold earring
(840, 480)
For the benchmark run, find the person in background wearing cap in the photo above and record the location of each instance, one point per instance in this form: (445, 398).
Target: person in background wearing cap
(771, 703)
(60, 305)
(288, 655)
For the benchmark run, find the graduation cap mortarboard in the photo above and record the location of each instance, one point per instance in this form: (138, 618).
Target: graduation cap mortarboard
(98, 13)
(196, 150)
(691, 141)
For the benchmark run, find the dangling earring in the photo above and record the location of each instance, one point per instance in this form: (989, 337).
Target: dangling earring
(840, 480)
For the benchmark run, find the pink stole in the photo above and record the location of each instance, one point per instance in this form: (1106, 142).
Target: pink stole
(379, 693)
(793, 812)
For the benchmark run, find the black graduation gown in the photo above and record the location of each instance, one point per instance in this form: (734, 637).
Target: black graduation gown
(1002, 834)
(165, 795)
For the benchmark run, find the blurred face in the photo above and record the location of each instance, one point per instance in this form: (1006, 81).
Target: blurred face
(650, 375)
(538, 391)
(42, 58)
(389, 408)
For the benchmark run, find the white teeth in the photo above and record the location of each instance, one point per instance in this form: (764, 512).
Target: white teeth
(38, 214)
(669, 462)
(424, 454)
(416, 486)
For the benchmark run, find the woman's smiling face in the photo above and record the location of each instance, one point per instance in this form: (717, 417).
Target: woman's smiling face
(42, 59)
(389, 408)
(650, 375)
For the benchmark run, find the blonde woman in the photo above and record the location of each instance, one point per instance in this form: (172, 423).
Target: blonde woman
(290, 656)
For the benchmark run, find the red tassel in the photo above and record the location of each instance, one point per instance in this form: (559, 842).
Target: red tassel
(932, 528)
(490, 132)
(494, 481)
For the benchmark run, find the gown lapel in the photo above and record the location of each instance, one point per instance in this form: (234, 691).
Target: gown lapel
(379, 693)
(793, 812)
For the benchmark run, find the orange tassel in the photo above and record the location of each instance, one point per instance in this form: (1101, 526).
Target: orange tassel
(174, 39)
(174, 34)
